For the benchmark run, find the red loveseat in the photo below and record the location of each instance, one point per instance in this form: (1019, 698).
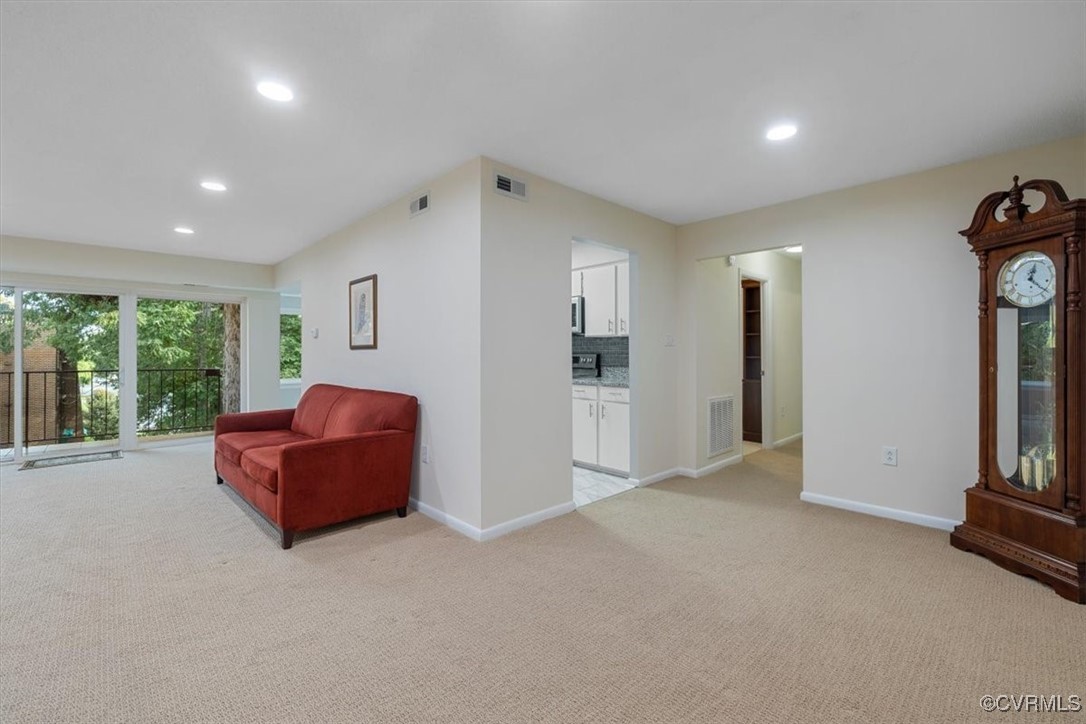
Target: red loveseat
(343, 453)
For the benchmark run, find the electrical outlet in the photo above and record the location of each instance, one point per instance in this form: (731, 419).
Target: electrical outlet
(426, 454)
(889, 456)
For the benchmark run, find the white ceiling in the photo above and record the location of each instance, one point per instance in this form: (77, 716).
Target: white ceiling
(112, 112)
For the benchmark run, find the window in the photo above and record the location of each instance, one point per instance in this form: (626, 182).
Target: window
(290, 346)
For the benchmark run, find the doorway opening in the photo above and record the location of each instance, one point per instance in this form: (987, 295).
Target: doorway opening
(770, 347)
(602, 328)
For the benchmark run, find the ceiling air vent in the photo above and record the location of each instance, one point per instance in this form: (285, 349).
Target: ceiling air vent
(422, 203)
(509, 186)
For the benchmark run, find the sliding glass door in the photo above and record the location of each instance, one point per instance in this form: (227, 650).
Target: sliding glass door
(59, 372)
(86, 372)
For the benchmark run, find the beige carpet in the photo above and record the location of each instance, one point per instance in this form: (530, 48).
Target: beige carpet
(139, 591)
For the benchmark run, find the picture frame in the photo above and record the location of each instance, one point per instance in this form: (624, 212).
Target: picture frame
(362, 312)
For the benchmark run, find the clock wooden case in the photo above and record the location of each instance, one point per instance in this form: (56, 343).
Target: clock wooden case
(1026, 511)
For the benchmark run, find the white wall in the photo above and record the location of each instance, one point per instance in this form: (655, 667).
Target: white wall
(428, 313)
(81, 267)
(526, 347)
(585, 254)
(889, 324)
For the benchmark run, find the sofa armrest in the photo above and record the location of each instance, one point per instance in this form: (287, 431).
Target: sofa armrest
(252, 421)
(343, 477)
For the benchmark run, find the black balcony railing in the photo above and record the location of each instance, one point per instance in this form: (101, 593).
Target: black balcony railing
(168, 401)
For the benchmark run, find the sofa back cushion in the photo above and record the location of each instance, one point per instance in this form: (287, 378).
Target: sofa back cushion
(370, 411)
(313, 409)
(332, 411)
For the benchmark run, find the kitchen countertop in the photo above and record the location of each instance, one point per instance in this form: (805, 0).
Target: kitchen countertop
(609, 377)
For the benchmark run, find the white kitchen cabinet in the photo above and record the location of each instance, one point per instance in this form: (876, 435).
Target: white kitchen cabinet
(622, 287)
(606, 291)
(613, 434)
(601, 427)
(599, 301)
(585, 431)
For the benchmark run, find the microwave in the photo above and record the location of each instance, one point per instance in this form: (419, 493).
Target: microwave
(578, 315)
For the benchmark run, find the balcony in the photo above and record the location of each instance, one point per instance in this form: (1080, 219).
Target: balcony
(61, 407)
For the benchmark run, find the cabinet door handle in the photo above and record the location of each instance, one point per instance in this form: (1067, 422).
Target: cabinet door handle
(610, 325)
(622, 324)
(590, 410)
(603, 410)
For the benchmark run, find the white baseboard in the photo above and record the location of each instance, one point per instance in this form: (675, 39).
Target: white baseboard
(790, 438)
(905, 516)
(445, 519)
(494, 531)
(690, 472)
(651, 479)
(710, 469)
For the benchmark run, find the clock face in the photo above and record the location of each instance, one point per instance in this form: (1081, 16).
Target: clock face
(1028, 279)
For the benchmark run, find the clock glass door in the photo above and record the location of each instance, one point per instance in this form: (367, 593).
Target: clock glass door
(1026, 372)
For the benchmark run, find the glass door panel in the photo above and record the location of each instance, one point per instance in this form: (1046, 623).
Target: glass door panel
(188, 362)
(70, 372)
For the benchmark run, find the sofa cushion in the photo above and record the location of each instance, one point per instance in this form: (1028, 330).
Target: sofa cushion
(313, 409)
(262, 465)
(231, 445)
(358, 411)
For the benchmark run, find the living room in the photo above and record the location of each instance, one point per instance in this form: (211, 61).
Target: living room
(473, 318)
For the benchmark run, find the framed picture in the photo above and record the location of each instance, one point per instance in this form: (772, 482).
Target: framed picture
(363, 312)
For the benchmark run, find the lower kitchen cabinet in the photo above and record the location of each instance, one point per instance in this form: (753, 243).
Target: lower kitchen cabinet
(614, 435)
(584, 431)
(601, 427)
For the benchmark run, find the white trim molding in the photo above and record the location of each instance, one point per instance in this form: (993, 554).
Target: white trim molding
(786, 440)
(444, 518)
(904, 516)
(655, 478)
(688, 472)
(494, 531)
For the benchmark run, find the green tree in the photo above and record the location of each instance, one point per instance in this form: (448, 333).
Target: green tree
(290, 346)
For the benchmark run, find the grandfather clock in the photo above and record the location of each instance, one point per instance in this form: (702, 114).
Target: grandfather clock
(1027, 511)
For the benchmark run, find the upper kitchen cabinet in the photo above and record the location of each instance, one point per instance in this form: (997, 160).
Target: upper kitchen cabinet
(599, 301)
(606, 292)
(622, 287)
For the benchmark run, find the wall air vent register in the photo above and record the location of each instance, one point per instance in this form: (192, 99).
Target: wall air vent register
(509, 186)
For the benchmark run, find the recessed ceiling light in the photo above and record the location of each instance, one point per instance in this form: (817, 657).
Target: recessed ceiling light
(183, 230)
(794, 249)
(781, 132)
(213, 185)
(275, 91)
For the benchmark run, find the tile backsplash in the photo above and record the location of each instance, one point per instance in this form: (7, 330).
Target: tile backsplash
(613, 351)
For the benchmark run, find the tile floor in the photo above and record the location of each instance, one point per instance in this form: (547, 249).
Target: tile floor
(591, 485)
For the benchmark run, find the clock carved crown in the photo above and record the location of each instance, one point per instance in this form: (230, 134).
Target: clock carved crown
(987, 228)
